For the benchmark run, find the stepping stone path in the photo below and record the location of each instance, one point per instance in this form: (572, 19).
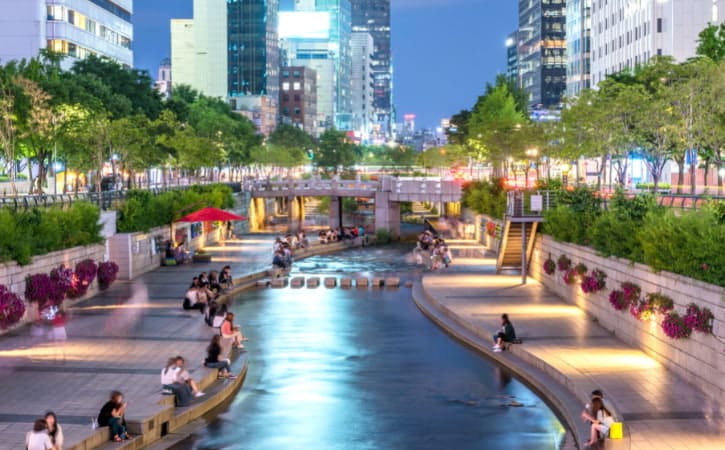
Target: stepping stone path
(313, 282)
(362, 282)
(297, 282)
(330, 282)
(346, 283)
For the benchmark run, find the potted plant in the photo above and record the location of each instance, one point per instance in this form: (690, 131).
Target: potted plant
(107, 272)
(12, 308)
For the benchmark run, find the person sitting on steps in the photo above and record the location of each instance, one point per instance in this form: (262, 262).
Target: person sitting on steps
(112, 416)
(601, 420)
(213, 361)
(507, 334)
(231, 332)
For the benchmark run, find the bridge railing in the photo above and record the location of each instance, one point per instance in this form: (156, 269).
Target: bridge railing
(529, 204)
(311, 185)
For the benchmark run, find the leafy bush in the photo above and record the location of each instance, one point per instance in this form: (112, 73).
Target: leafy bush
(143, 211)
(689, 244)
(565, 225)
(651, 186)
(486, 197)
(24, 234)
(383, 236)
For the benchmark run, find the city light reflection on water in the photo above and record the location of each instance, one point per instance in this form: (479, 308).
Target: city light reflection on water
(363, 369)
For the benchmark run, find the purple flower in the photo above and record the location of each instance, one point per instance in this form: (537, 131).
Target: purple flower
(107, 272)
(675, 326)
(12, 308)
(549, 266)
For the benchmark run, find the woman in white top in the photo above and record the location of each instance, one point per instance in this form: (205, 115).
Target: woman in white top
(55, 432)
(38, 439)
(601, 420)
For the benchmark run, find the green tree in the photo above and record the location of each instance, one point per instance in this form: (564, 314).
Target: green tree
(334, 151)
(711, 42)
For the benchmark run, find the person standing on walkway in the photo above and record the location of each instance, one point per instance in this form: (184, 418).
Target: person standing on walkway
(507, 334)
(38, 439)
(112, 416)
(54, 430)
(601, 420)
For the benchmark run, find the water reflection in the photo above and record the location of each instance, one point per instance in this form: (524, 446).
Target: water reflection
(363, 369)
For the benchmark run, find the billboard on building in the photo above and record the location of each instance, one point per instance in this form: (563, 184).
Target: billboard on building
(304, 25)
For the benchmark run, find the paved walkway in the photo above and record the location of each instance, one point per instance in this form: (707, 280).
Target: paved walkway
(119, 339)
(660, 410)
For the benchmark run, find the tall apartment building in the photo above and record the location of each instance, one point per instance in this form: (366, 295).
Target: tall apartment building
(542, 51)
(362, 84)
(199, 48)
(626, 33)
(578, 46)
(298, 98)
(512, 56)
(373, 16)
(75, 29)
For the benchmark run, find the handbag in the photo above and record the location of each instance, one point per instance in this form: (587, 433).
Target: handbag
(218, 321)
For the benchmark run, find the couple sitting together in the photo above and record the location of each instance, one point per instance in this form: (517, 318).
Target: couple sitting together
(175, 379)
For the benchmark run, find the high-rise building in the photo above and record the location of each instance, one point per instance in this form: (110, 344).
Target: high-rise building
(542, 51)
(163, 79)
(363, 109)
(199, 48)
(627, 33)
(253, 47)
(75, 29)
(340, 27)
(298, 98)
(512, 56)
(578, 46)
(373, 16)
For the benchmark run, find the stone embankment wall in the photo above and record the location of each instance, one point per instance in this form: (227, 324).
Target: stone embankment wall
(699, 359)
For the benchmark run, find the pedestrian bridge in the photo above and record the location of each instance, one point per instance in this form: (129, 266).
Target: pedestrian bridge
(388, 193)
(398, 189)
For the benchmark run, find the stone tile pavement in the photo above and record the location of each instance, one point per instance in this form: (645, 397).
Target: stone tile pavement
(660, 410)
(118, 340)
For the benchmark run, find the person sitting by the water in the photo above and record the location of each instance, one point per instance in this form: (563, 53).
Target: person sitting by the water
(507, 333)
(38, 439)
(215, 314)
(204, 295)
(112, 416)
(225, 278)
(601, 420)
(180, 254)
(278, 261)
(287, 253)
(213, 361)
(183, 376)
(232, 333)
(214, 285)
(191, 300)
(170, 383)
(203, 279)
(194, 282)
(55, 432)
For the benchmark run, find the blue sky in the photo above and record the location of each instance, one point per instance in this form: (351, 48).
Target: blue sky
(444, 50)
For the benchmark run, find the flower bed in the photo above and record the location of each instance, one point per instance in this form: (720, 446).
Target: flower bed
(12, 308)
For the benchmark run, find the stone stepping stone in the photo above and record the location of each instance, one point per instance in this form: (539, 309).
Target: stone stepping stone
(362, 282)
(378, 282)
(263, 283)
(409, 284)
(330, 282)
(297, 282)
(279, 283)
(346, 283)
(392, 282)
(313, 282)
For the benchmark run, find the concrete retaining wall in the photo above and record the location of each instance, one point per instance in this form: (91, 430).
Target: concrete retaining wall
(699, 359)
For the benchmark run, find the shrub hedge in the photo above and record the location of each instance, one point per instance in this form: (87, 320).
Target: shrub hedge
(686, 243)
(24, 234)
(143, 211)
(486, 197)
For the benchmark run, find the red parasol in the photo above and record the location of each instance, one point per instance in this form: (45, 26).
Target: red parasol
(210, 215)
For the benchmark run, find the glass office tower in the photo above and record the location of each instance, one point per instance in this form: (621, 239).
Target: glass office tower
(542, 51)
(253, 50)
